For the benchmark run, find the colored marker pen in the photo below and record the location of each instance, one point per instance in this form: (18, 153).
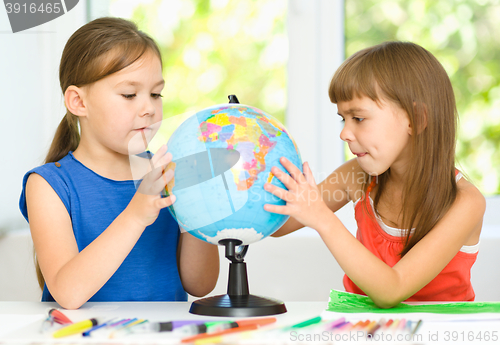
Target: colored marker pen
(78, 327)
(205, 327)
(102, 332)
(95, 328)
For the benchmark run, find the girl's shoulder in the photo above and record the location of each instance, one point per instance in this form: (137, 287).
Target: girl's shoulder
(351, 178)
(468, 195)
(46, 178)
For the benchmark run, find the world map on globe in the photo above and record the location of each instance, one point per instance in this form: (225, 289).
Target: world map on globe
(222, 157)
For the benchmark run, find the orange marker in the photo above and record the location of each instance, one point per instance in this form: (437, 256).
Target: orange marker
(249, 327)
(259, 322)
(371, 326)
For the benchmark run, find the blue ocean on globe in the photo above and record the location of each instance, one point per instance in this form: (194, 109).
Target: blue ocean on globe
(222, 157)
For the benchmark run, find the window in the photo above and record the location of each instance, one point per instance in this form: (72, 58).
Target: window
(463, 35)
(212, 49)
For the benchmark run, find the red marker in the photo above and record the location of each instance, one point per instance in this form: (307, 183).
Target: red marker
(59, 317)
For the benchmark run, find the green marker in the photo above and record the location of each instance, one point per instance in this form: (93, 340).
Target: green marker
(306, 323)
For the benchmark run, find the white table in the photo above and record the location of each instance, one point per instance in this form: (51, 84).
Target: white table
(20, 324)
(26, 318)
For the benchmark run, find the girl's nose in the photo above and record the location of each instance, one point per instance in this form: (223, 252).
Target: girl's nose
(346, 134)
(148, 108)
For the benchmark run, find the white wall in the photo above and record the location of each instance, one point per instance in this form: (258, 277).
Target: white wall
(31, 104)
(291, 268)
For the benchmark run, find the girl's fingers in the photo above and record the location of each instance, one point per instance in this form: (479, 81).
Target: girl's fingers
(308, 174)
(276, 209)
(287, 180)
(168, 175)
(293, 170)
(162, 180)
(161, 157)
(279, 192)
(165, 202)
(155, 181)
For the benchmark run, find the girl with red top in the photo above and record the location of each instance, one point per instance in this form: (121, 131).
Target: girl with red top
(419, 220)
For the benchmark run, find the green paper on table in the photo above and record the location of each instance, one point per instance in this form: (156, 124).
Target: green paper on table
(345, 302)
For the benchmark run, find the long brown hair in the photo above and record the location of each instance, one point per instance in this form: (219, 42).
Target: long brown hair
(413, 79)
(96, 50)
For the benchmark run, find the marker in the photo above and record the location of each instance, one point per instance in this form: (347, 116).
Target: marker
(344, 327)
(203, 327)
(209, 338)
(371, 326)
(402, 324)
(377, 326)
(93, 329)
(104, 331)
(394, 327)
(59, 317)
(306, 323)
(240, 323)
(408, 325)
(417, 326)
(335, 323)
(75, 328)
(340, 326)
(261, 321)
(125, 324)
(360, 324)
(126, 327)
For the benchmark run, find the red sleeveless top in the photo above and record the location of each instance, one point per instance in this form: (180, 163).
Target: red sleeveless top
(452, 284)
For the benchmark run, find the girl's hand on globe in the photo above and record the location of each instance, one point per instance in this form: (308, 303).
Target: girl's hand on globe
(303, 198)
(147, 201)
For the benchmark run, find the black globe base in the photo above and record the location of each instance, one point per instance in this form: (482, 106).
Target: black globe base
(238, 301)
(237, 306)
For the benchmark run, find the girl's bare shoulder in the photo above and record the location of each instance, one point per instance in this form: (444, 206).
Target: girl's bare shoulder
(349, 177)
(468, 195)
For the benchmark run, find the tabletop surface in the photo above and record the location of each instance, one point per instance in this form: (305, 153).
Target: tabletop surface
(20, 323)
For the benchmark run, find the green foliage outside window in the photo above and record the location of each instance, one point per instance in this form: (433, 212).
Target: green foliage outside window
(464, 36)
(211, 49)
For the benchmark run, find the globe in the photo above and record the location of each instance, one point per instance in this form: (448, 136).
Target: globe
(222, 157)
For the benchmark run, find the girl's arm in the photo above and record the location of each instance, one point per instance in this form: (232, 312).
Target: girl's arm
(71, 276)
(385, 285)
(336, 191)
(198, 265)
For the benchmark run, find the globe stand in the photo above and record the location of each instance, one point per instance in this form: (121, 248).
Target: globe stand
(238, 301)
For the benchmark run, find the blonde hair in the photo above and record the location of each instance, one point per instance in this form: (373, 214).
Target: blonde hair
(413, 79)
(96, 50)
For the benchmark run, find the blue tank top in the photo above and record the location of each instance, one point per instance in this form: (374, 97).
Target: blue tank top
(149, 272)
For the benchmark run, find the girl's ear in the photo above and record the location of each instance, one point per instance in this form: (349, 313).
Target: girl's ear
(73, 98)
(420, 118)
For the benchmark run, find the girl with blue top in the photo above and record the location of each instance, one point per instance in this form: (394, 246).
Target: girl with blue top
(96, 237)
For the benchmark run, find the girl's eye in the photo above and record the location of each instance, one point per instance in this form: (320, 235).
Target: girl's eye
(357, 119)
(129, 96)
(156, 95)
